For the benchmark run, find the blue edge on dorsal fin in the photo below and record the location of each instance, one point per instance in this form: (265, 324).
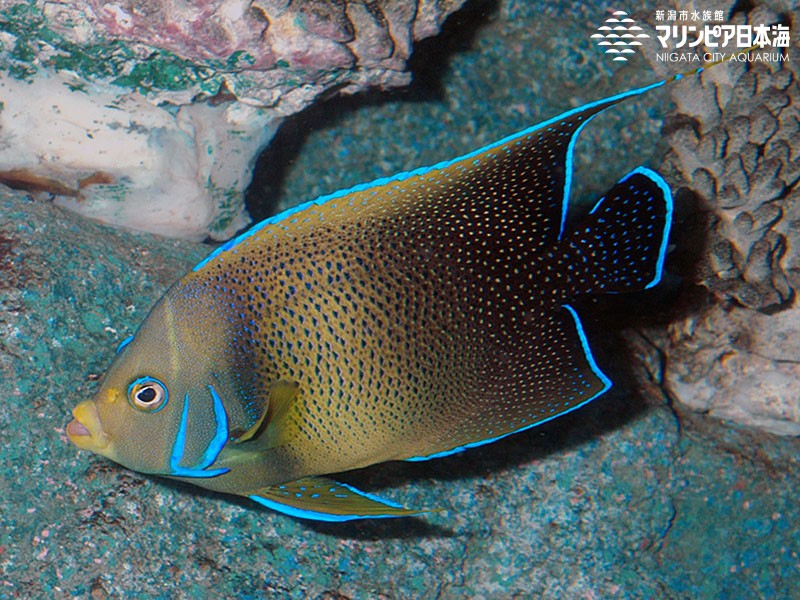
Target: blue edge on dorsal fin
(441, 165)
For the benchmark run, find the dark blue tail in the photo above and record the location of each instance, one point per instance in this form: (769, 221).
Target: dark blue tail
(621, 244)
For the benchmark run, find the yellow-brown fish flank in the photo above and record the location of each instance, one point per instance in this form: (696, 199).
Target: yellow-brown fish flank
(423, 304)
(405, 319)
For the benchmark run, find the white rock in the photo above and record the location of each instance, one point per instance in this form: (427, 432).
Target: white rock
(117, 158)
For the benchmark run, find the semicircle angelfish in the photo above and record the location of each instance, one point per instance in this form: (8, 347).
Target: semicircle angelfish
(404, 319)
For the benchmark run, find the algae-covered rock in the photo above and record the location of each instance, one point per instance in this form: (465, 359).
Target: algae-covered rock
(150, 115)
(733, 154)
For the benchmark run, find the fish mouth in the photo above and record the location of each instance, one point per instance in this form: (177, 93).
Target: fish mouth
(85, 430)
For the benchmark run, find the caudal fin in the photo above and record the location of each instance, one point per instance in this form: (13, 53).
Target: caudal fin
(620, 245)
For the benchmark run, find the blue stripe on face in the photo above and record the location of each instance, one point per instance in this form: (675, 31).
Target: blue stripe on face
(124, 343)
(212, 450)
(179, 446)
(216, 445)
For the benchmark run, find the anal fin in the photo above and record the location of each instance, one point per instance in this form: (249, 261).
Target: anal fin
(551, 372)
(323, 499)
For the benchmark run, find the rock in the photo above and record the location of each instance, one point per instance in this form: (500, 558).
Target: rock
(150, 115)
(737, 359)
(738, 364)
(120, 159)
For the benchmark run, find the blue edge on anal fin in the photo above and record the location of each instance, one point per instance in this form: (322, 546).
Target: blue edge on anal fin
(607, 384)
(315, 516)
(331, 518)
(302, 514)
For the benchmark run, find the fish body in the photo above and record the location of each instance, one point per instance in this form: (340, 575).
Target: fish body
(405, 319)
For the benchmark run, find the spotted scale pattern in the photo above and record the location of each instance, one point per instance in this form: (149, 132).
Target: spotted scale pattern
(626, 257)
(430, 312)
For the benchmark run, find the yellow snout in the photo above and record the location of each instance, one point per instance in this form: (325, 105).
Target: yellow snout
(85, 430)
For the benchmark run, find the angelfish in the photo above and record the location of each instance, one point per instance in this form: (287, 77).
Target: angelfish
(405, 319)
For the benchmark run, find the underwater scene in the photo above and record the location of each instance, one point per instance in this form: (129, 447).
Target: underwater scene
(409, 299)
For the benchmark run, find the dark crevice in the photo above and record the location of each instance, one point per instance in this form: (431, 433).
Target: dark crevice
(428, 65)
(741, 6)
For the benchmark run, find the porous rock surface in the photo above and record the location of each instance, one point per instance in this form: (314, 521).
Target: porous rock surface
(734, 141)
(149, 115)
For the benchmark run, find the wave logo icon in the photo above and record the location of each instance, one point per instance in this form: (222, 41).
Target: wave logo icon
(619, 34)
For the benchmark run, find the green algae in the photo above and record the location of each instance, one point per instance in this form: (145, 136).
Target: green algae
(159, 71)
(228, 204)
(165, 71)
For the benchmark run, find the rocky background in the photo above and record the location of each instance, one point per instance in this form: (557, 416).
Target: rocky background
(150, 115)
(734, 157)
(641, 494)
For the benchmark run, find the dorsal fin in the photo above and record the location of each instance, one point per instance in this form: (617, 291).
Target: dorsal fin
(534, 165)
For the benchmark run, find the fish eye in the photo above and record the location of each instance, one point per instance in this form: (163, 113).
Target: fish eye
(147, 394)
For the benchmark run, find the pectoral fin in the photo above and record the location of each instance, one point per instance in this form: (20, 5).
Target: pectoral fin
(323, 499)
(272, 422)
